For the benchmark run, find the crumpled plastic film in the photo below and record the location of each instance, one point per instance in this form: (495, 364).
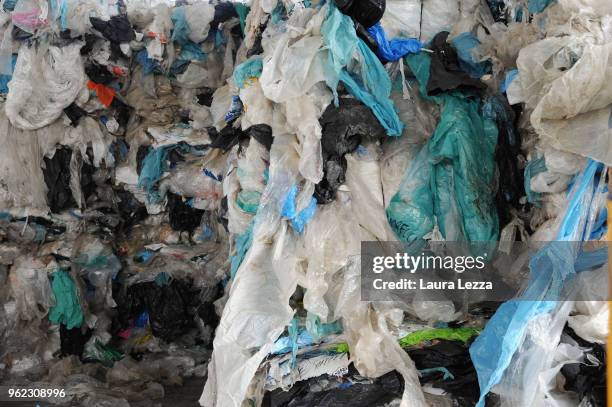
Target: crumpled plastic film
(45, 82)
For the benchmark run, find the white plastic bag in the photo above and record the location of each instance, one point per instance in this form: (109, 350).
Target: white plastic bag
(198, 16)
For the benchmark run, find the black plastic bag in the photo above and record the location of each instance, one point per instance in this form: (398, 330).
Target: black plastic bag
(445, 73)
(365, 12)
(118, 29)
(343, 129)
(182, 216)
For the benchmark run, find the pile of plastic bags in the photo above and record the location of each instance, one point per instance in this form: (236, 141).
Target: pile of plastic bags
(185, 187)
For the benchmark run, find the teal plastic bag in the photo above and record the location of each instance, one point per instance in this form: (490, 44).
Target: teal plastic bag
(67, 309)
(410, 212)
(340, 38)
(248, 201)
(533, 168)
(181, 30)
(243, 244)
(243, 11)
(465, 43)
(251, 68)
(462, 139)
(367, 79)
(370, 84)
(442, 182)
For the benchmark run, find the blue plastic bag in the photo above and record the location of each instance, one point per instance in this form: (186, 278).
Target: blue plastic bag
(550, 268)
(465, 43)
(392, 50)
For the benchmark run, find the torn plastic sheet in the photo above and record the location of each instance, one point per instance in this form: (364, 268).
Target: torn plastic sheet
(494, 348)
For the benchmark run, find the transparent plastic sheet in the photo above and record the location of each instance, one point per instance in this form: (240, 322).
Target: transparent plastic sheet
(535, 356)
(438, 15)
(574, 112)
(31, 289)
(494, 348)
(366, 327)
(45, 82)
(30, 15)
(7, 64)
(363, 178)
(222, 99)
(238, 220)
(257, 108)
(98, 264)
(595, 7)
(74, 15)
(402, 18)
(302, 115)
(589, 319)
(160, 28)
(207, 73)
(268, 272)
(328, 243)
(293, 60)
(193, 180)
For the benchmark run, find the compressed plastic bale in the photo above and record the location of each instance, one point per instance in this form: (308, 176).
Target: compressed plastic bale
(43, 85)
